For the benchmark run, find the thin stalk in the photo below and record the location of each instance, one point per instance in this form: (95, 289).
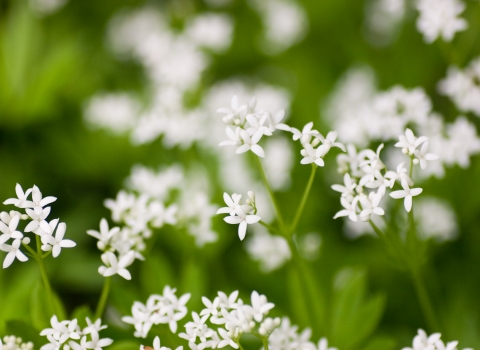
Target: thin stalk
(31, 251)
(43, 272)
(103, 298)
(270, 192)
(304, 200)
(239, 345)
(425, 302)
(379, 232)
(265, 343)
(270, 228)
(411, 167)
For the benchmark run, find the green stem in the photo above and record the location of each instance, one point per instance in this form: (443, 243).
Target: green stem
(31, 251)
(304, 199)
(411, 167)
(270, 228)
(43, 272)
(103, 298)
(379, 232)
(239, 345)
(425, 302)
(270, 192)
(265, 343)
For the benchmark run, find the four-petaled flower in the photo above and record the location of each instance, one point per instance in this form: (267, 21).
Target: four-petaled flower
(407, 193)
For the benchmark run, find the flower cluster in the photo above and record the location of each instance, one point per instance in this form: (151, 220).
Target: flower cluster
(68, 335)
(235, 317)
(173, 62)
(159, 309)
(365, 170)
(286, 337)
(362, 115)
(433, 342)
(247, 125)
(239, 213)
(37, 211)
(462, 87)
(439, 18)
(11, 342)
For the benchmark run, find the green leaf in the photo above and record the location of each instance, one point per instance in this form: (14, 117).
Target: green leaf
(354, 315)
(40, 309)
(193, 281)
(298, 303)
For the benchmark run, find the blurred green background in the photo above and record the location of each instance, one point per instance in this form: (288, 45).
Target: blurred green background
(51, 64)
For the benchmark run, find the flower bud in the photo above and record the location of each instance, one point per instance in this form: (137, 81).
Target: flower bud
(26, 240)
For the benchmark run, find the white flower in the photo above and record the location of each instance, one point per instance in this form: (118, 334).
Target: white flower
(97, 326)
(260, 306)
(231, 202)
(233, 114)
(323, 344)
(10, 231)
(250, 143)
(350, 209)
(347, 190)
(117, 266)
(406, 193)
(104, 235)
(96, 343)
(56, 244)
(242, 219)
(422, 156)
(439, 18)
(13, 252)
(313, 156)
(21, 200)
(424, 342)
(275, 121)
(329, 141)
(226, 339)
(234, 137)
(306, 134)
(370, 205)
(38, 201)
(409, 142)
(38, 220)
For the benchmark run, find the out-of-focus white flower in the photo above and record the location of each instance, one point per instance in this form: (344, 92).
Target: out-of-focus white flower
(439, 18)
(211, 30)
(285, 23)
(436, 219)
(462, 88)
(116, 112)
(46, 7)
(270, 251)
(278, 162)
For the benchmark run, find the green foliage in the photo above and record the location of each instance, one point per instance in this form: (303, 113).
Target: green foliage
(355, 315)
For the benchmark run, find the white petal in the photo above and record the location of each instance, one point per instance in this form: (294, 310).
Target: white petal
(258, 151)
(242, 230)
(416, 191)
(233, 220)
(408, 203)
(251, 219)
(398, 194)
(125, 274)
